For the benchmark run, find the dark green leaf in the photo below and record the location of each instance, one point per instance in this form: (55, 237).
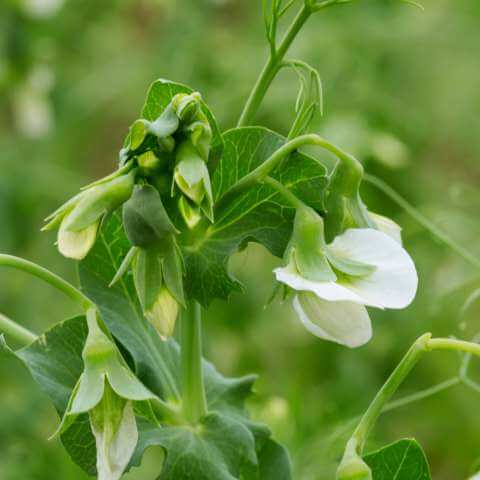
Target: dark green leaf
(402, 460)
(259, 214)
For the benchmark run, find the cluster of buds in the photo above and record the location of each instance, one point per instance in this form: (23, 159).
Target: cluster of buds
(165, 158)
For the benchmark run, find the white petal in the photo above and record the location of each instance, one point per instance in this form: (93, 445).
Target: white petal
(342, 322)
(114, 456)
(76, 245)
(388, 226)
(394, 282)
(331, 291)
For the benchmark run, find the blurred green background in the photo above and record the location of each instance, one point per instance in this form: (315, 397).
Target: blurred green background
(401, 92)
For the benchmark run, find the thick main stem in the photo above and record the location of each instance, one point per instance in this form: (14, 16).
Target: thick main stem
(194, 398)
(48, 277)
(16, 331)
(271, 68)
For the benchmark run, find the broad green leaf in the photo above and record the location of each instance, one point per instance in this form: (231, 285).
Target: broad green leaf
(55, 362)
(259, 214)
(157, 363)
(402, 460)
(158, 97)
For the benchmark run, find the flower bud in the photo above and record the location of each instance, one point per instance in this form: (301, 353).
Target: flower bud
(353, 468)
(76, 245)
(192, 177)
(148, 162)
(186, 106)
(163, 313)
(200, 134)
(166, 124)
(98, 201)
(144, 217)
(191, 214)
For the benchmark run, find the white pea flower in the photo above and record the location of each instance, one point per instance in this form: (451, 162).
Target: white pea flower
(388, 226)
(334, 283)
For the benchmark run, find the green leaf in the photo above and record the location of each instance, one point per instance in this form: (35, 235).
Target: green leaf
(157, 364)
(259, 214)
(159, 96)
(55, 362)
(402, 460)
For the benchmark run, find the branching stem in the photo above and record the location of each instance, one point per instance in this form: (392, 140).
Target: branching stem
(422, 345)
(16, 331)
(48, 277)
(350, 167)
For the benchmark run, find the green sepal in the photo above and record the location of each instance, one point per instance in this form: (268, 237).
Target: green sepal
(148, 276)
(144, 217)
(307, 246)
(100, 200)
(138, 132)
(190, 213)
(173, 269)
(124, 266)
(55, 218)
(117, 173)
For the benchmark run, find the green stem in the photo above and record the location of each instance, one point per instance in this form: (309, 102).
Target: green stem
(16, 331)
(48, 277)
(407, 363)
(347, 175)
(284, 191)
(422, 220)
(379, 404)
(194, 399)
(271, 68)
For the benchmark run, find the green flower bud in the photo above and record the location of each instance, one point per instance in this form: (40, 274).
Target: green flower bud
(78, 219)
(353, 468)
(98, 201)
(148, 162)
(158, 278)
(166, 144)
(200, 134)
(105, 390)
(76, 245)
(144, 217)
(163, 313)
(192, 177)
(191, 214)
(186, 106)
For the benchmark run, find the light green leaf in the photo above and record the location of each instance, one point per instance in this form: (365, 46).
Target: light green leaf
(402, 460)
(259, 214)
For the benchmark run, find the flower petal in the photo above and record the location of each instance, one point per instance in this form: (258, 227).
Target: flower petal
(394, 282)
(388, 226)
(90, 392)
(331, 291)
(76, 245)
(114, 454)
(342, 322)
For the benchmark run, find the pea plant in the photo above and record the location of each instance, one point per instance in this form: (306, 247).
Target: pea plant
(153, 241)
